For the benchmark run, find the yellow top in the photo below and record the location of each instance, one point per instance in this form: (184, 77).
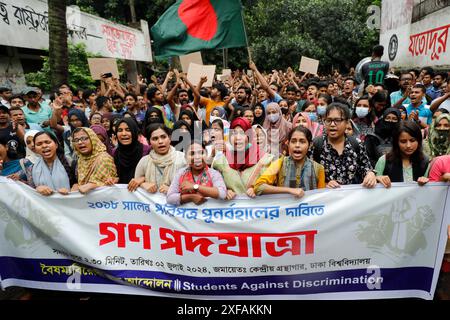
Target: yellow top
(275, 176)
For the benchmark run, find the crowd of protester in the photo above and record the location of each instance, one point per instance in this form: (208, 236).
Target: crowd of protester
(251, 133)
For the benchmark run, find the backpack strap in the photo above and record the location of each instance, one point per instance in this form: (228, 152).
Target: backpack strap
(354, 143)
(318, 143)
(381, 140)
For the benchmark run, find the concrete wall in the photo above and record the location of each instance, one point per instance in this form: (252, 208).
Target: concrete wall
(418, 44)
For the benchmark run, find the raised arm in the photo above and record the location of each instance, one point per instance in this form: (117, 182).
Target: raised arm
(262, 81)
(437, 102)
(166, 81)
(171, 95)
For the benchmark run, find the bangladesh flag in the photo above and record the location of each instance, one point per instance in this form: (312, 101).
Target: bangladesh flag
(193, 25)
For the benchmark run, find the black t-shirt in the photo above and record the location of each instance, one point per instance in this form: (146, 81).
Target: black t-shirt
(374, 72)
(15, 146)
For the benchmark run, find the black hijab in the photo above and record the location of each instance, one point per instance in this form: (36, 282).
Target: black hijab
(386, 129)
(127, 157)
(178, 138)
(259, 120)
(148, 121)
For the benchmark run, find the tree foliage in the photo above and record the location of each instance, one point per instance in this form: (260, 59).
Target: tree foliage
(79, 74)
(332, 31)
(280, 32)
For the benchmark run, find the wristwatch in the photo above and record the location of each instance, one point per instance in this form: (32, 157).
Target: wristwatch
(196, 186)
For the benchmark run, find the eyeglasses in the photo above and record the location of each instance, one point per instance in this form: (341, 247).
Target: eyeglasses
(336, 121)
(82, 139)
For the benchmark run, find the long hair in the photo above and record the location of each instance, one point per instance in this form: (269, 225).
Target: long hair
(413, 129)
(59, 154)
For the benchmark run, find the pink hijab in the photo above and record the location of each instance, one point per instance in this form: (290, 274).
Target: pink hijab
(277, 132)
(315, 128)
(241, 161)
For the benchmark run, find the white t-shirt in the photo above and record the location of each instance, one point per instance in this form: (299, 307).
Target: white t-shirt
(445, 105)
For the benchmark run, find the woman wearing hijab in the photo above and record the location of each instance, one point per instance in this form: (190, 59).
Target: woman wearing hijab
(77, 119)
(277, 128)
(153, 115)
(155, 171)
(303, 119)
(364, 118)
(51, 173)
(196, 182)
(438, 142)
(95, 167)
(102, 134)
(106, 122)
(243, 161)
(380, 142)
(261, 136)
(129, 151)
(186, 114)
(182, 135)
(260, 114)
(141, 137)
(219, 112)
(30, 150)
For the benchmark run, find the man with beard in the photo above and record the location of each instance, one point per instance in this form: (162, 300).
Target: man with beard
(132, 106)
(417, 110)
(118, 105)
(182, 95)
(18, 117)
(240, 100)
(401, 97)
(156, 100)
(16, 101)
(34, 111)
(104, 104)
(12, 132)
(435, 91)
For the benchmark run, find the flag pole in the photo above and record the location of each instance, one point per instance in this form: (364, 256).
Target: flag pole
(245, 33)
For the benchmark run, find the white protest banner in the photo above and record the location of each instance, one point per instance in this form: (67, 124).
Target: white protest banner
(186, 60)
(196, 71)
(226, 74)
(309, 65)
(351, 243)
(99, 66)
(24, 23)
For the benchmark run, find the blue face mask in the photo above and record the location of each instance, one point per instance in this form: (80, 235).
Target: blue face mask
(273, 117)
(362, 112)
(321, 110)
(312, 116)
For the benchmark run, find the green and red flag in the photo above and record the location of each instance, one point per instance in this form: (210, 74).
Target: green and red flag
(193, 25)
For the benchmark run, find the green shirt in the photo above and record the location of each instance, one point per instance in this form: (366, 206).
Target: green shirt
(407, 172)
(43, 114)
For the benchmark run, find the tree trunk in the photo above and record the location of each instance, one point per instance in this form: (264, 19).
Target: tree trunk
(58, 57)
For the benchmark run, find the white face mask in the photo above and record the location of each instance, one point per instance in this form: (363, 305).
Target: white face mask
(362, 112)
(321, 110)
(273, 117)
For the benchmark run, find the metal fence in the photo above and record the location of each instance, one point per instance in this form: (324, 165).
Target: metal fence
(426, 7)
